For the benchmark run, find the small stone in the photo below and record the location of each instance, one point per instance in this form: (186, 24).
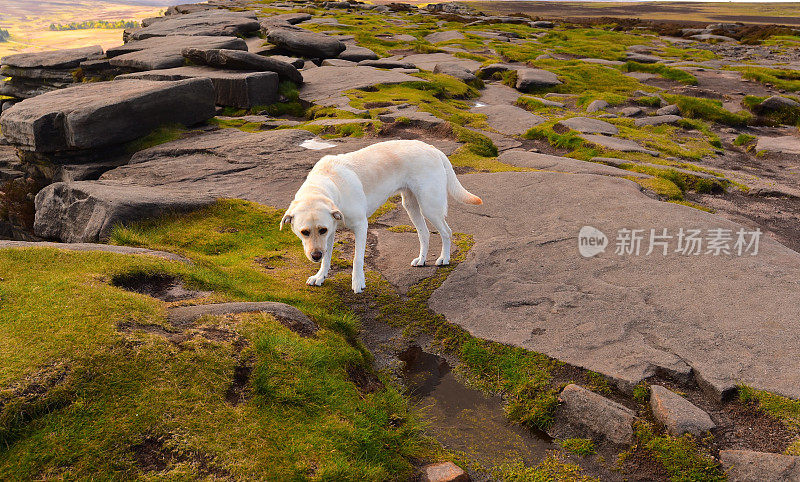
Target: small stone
(443, 472)
(631, 111)
(643, 58)
(355, 53)
(749, 466)
(657, 120)
(528, 79)
(677, 414)
(671, 109)
(456, 70)
(444, 36)
(596, 105)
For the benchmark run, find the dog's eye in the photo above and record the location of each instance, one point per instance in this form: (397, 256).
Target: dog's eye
(305, 232)
(323, 230)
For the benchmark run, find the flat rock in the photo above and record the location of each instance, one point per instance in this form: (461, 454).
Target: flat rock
(603, 61)
(265, 167)
(288, 315)
(444, 36)
(54, 59)
(214, 23)
(643, 58)
(528, 79)
(617, 144)
(240, 60)
(657, 120)
(443, 472)
(87, 211)
(626, 316)
(670, 109)
(387, 64)
(324, 85)
(583, 413)
(403, 37)
(305, 43)
(749, 466)
(430, 61)
(355, 53)
(410, 114)
(780, 145)
(588, 125)
(631, 111)
(234, 88)
(677, 414)
(707, 36)
(509, 119)
(100, 114)
(166, 52)
(546, 162)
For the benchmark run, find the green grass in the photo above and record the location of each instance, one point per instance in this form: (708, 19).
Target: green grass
(780, 78)
(305, 418)
(552, 468)
(786, 115)
(163, 134)
(744, 139)
(664, 71)
(683, 459)
(782, 408)
(578, 446)
(708, 109)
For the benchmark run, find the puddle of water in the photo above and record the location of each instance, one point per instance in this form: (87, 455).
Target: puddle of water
(316, 144)
(467, 420)
(480, 104)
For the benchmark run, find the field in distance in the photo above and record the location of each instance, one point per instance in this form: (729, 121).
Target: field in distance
(29, 22)
(780, 13)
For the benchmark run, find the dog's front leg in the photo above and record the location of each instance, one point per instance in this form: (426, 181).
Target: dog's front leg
(359, 280)
(318, 278)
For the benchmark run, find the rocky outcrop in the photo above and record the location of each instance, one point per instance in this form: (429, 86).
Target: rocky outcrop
(215, 23)
(166, 52)
(233, 88)
(97, 115)
(240, 60)
(33, 74)
(82, 212)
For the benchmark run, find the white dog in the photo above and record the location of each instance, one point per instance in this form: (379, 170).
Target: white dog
(347, 188)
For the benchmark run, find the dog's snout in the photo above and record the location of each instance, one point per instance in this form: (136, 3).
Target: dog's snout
(316, 255)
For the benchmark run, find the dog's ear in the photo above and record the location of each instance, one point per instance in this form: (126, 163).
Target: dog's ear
(287, 219)
(337, 215)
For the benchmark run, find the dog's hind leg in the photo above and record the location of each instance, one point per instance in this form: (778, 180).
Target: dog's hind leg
(359, 280)
(446, 233)
(424, 235)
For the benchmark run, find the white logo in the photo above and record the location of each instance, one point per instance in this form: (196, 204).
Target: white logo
(591, 241)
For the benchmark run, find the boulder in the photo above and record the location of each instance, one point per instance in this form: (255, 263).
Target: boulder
(214, 23)
(508, 119)
(530, 79)
(491, 69)
(677, 414)
(443, 472)
(444, 36)
(542, 24)
(354, 53)
(749, 466)
(305, 43)
(100, 114)
(166, 52)
(456, 70)
(240, 60)
(657, 120)
(583, 413)
(55, 59)
(82, 212)
(234, 88)
(596, 105)
(671, 109)
(631, 111)
(587, 125)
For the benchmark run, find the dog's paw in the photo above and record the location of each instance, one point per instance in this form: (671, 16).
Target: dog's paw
(418, 262)
(315, 280)
(442, 261)
(359, 285)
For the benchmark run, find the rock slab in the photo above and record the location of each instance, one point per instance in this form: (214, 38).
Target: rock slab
(94, 115)
(749, 466)
(443, 472)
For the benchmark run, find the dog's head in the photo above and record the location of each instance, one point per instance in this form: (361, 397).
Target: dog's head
(313, 221)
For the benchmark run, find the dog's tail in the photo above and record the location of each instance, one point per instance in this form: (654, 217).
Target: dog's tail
(454, 187)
